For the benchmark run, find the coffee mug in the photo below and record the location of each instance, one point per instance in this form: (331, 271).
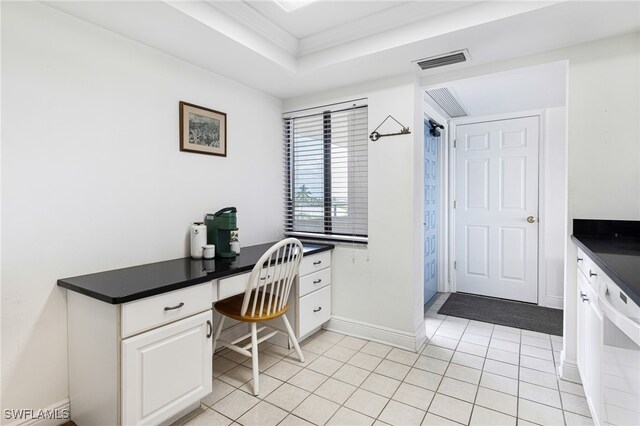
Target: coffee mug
(209, 251)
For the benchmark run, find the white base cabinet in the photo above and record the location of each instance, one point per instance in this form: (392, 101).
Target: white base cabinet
(165, 370)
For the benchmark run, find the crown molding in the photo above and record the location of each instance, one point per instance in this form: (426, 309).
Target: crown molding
(246, 15)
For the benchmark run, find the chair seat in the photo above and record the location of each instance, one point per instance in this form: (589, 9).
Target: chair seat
(232, 306)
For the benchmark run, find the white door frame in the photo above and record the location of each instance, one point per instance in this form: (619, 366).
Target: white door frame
(443, 207)
(451, 190)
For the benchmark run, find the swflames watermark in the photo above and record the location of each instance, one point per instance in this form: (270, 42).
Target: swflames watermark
(31, 414)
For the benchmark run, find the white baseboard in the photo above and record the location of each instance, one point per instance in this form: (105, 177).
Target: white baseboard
(376, 333)
(59, 408)
(556, 302)
(568, 370)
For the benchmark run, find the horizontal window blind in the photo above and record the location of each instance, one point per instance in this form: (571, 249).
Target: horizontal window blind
(326, 173)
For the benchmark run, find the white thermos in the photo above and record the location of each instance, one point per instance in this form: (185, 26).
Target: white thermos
(198, 239)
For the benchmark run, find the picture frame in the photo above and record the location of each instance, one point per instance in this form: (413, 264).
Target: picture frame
(202, 130)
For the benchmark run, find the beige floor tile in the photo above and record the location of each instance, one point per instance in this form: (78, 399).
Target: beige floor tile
(503, 328)
(569, 387)
(376, 349)
(352, 375)
(308, 380)
(468, 360)
(505, 345)
(346, 417)
(352, 343)
(451, 408)
(392, 369)
(220, 390)
(472, 348)
(433, 365)
(499, 383)
(477, 330)
(180, 422)
(466, 374)
(398, 414)
(283, 370)
(316, 410)
(340, 353)
(366, 361)
(544, 343)
(324, 365)
(221, 365)
(458, 389)
(414, 395)
(538, 378)
(537, 364)
(329, 336)
(366, 402)
(264, 361)
(309, 357)
(335, 390)
(287, 397)
(235, 404)
(539, 413)
(575, 404)
(449, 333)
(209, 418)
(316, 346)
(501, 368)
(237, 376)
(498, 401)
(402, 356)
(431, 419)
(263, 414)
(438, 352)
(484, 417)
(267, 385)
(536, 352)
(573, 419)
(277, 351)
(424, 379)
(503, 356)
(381, 385)
(444, 342)
(540, 394)
(292, 420)
(234, 356)
(505, 335)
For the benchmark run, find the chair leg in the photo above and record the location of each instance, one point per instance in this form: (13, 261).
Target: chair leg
(218, 331)
(254, 358)
(293, 338)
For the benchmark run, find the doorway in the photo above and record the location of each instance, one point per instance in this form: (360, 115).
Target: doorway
(496, 208)
(432, 137)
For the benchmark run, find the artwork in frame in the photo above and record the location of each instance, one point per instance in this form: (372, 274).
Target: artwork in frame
(202, 130)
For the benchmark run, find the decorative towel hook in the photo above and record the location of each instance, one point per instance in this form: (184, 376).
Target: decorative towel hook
(374, 136)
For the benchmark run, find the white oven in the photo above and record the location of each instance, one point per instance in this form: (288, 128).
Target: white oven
(620, 357)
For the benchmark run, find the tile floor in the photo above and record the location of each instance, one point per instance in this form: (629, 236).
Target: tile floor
(468, 372)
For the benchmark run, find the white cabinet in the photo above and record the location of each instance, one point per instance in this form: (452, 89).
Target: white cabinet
(590, 333)
(165, 370)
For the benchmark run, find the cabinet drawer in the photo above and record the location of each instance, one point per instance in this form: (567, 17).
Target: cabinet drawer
(233, 285)
(315, 262)
(587, 267)
(315, 281)
(148, 313)
(315, 310)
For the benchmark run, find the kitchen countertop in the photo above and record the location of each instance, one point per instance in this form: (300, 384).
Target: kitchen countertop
(137, 282)
(613, 245)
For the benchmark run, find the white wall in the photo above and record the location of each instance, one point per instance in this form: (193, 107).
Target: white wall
(604, 140)
(92, 177)
(374, 288)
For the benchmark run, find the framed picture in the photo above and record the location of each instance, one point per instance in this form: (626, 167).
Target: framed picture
(202, 130)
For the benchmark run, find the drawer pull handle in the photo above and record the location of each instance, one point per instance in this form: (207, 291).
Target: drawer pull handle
(579, 259)
(592, 274)
(264, 278)
(318, 310)
(317, 281)
(171, 308)
(316, 263)
(210, 327)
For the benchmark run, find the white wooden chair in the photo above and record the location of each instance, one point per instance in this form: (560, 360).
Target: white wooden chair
(265, 299)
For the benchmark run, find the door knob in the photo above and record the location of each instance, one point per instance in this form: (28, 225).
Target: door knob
(531, 219)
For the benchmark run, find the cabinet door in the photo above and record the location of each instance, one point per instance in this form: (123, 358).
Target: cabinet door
(166, 369)
(593, 357)
(581, 324)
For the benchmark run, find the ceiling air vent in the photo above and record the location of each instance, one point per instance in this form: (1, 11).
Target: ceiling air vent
(446, 100)
(443, 60)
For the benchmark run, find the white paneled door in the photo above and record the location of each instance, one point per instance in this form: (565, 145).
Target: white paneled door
(496, 213)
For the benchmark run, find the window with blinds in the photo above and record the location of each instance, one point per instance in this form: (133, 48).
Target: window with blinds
(326, 179)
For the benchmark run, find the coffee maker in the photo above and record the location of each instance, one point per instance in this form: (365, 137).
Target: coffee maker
(219, 227)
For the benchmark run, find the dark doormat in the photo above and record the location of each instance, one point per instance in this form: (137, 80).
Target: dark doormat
(504, 312)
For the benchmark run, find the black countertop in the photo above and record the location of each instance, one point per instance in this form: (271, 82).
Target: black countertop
(137, 282)
(613, 245)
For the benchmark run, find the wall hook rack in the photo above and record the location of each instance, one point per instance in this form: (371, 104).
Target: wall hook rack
(374, 136)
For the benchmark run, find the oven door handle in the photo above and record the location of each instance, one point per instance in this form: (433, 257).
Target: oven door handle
(627, 326)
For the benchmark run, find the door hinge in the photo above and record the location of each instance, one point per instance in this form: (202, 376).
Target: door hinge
(455, 203)
(455, 264)
(455, 143)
